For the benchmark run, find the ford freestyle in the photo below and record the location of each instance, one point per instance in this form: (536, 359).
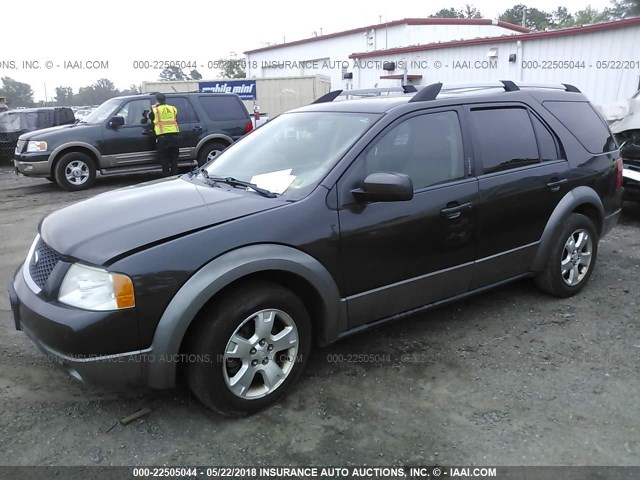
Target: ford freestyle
(328, 220)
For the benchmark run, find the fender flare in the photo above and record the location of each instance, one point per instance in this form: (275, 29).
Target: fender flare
(208, 138)
(222, 271)
(60, 150)
(575, 198)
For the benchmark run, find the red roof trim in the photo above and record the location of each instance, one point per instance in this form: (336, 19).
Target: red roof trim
(400, 77)
(404, 21)
(596, 27)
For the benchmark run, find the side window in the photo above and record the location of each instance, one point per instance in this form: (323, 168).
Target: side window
(186, 113)
(504, 138)
(428, 148)
(222, 107)
(584, 123)
(132, 111)
(547, 144)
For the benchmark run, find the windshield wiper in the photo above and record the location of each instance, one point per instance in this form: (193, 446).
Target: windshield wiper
(234, 182)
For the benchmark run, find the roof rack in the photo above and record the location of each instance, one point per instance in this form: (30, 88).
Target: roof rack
(365, 92)
(430, 92)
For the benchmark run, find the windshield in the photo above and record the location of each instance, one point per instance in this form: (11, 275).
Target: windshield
(101, 113)
(17, 121)
(293, 152)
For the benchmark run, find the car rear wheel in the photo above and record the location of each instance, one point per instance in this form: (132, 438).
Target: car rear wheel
(75, 171)
(209, 152)
(249, 349)
(572, 258)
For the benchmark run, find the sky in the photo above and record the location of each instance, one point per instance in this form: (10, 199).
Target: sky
(116, 36)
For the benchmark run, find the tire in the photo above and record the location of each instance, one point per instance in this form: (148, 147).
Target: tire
(209, 152)
(216, 378)
(75, 171)
(563, 280)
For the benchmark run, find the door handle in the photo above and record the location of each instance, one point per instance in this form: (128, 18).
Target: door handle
(455, 211)
(197, 129)
(555, 186)
(146, 132)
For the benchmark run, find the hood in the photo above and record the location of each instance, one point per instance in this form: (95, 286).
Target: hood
(46, 133)
(114, 223)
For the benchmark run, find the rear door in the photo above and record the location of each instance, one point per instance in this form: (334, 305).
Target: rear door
(522, 175)
(188, 125)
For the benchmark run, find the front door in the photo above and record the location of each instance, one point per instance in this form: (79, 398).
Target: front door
(133, 143)
(398, 256)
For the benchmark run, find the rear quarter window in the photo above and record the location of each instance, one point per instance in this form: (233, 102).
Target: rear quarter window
(584, 123)
(220, 108)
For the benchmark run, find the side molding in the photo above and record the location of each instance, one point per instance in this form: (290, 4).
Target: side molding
(576, 197)
(213, 277)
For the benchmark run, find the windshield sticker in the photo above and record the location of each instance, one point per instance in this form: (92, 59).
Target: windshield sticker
(276, 182)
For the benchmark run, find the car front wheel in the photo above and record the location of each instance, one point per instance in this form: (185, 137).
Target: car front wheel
(572, 258)
(249, 349)
(75, 171)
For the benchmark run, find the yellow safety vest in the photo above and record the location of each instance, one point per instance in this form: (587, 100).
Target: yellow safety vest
(165, 119)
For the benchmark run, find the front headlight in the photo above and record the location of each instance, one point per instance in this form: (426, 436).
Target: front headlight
(96, 289)
(33, 147)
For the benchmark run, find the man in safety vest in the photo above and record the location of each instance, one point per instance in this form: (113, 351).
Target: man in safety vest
(165, 126)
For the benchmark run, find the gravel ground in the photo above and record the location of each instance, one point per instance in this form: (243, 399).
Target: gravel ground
(511, 377)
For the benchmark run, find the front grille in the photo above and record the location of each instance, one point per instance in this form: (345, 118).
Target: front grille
(42, 263)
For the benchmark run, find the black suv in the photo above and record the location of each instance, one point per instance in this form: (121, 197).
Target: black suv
(14, 123)
(116, 138)
(328, 220)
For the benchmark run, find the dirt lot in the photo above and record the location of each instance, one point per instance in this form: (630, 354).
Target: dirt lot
(511, 377)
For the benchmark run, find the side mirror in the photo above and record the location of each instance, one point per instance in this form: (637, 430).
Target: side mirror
(145, 117)
(384, 187)
(116, 122)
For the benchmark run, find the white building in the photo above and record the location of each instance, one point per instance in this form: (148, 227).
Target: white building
(330, 54)
(599, 59)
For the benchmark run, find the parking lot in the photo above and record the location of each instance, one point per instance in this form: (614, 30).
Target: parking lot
(511, 377)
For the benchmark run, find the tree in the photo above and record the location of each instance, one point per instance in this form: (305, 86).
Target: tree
(18, 94)
(469, 11)
(590, 15)
(562, 18)
(232, 67)
(446, 13)
(95, 94)
(195, 75)
(173, 73)
(64, 96)
(627, 8)
(534, 18)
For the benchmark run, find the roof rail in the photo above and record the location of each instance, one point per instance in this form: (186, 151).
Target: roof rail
(365, 92)
(430, 92)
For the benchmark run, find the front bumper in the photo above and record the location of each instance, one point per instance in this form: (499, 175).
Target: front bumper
(47, 324)
(33, 164)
